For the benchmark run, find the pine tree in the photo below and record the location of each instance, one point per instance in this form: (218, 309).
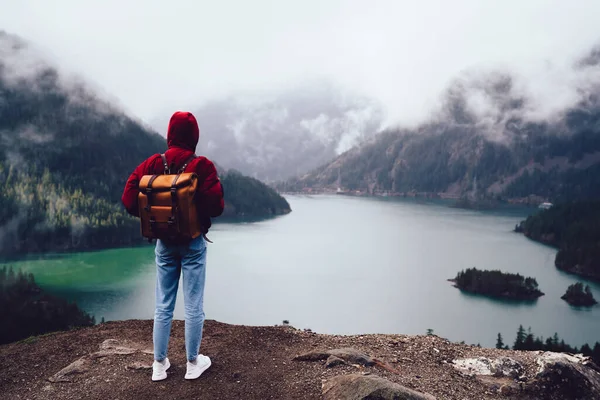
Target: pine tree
(520, 339)
(596, 353)
(499, 342)
(555, 342)
(529, 343)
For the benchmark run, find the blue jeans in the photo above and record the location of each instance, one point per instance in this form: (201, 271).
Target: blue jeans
(171, 260)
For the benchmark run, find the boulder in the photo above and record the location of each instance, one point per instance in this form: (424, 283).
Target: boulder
(500, 367)
(567, 376)
(362, 387)
(350, 355)
(333, 361)
(506, 366)
(66, 374)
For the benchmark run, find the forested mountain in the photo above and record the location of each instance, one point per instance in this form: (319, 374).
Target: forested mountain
(280, 134)
(65, 155)
(485, 136)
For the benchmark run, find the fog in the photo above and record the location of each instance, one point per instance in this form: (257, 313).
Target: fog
(154, 57)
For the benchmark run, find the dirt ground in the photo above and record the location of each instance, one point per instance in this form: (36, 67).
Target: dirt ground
(247, 363)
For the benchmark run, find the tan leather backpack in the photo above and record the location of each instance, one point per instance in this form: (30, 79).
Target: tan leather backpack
(167, 205)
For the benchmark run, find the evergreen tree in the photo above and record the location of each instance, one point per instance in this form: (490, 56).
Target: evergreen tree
(555, 342)
(539, 343)
(499, 342)
(596, 353)
(529, 343)
(520, 339)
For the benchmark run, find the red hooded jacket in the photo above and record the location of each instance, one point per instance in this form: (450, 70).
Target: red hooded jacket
(182, 138)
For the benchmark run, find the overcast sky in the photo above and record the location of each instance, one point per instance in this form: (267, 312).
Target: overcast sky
(164, 55)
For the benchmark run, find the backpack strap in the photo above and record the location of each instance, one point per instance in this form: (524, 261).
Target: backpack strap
(149, 205)
(174, 210)
(164, 160)
(189, 160)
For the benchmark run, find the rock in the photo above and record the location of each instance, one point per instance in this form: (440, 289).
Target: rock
(568, 376)
(112, 352)
(506, 366)
(333, 361)
(139, 366)
(499, 367)
(65, 374)
(473, 366)
(109, 344)
(350, 355)
(507, 390)
(312, 356)
(111, 347)
(361, 387)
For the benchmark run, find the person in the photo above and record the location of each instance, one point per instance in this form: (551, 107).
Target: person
(189, 258)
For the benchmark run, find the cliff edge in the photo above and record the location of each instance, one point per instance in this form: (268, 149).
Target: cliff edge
(113, 359)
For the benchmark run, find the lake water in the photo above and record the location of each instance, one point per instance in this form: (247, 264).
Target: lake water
(345, 265)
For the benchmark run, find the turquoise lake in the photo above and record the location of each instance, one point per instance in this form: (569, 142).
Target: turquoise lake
(345, 265)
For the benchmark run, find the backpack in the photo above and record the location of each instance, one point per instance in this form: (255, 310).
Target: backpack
(167, 205)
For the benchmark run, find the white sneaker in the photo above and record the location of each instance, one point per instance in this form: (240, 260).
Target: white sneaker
(159, 369)
(195, 369)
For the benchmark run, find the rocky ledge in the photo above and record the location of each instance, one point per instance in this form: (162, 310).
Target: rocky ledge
(113, 360)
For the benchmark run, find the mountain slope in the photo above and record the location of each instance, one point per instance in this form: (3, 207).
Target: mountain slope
(64, 158)
(495, 151)
(285, 133)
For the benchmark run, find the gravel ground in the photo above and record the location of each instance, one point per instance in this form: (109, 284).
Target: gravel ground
(247, 363)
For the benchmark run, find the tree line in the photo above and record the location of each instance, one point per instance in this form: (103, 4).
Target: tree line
(26, 310)
(572, 227)
(526, 340)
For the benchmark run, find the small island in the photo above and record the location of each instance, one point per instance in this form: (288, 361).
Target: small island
(497, 284)
(579, 295)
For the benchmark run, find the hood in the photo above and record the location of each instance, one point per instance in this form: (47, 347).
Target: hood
(183, 131)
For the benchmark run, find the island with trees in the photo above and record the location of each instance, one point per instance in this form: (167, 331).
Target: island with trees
(497, 284)
(579, 295)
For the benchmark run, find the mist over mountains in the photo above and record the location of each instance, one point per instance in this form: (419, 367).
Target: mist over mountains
(490, 134)
(281, 133)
